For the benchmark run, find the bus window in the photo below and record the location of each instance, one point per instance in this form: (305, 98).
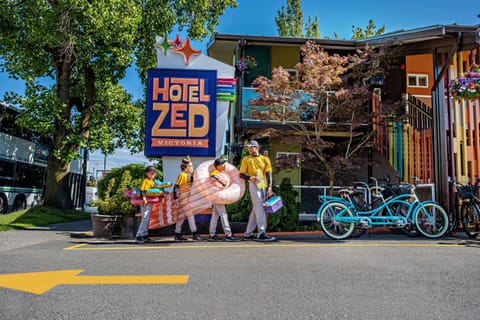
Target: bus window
(30, 176)
(7, 170)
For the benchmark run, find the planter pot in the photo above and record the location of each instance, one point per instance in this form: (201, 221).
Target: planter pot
(103, 225)
(126, 227)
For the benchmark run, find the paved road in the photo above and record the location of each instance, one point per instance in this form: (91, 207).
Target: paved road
(299, 277)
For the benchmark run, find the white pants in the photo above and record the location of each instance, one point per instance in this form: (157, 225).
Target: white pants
(142, 230)
(191, 224)
(257, 217)
(219, 210)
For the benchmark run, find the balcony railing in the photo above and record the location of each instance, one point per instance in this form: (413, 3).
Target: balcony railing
(305, 116)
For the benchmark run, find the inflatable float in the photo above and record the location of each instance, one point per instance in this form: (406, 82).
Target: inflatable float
(193, 198)
(229, 190)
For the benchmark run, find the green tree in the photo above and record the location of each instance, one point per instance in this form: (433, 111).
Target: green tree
(370, 31)
(311, 28)
(85, 47)
(289, 21)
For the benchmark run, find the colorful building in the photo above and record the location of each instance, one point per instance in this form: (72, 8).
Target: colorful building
(437, 140)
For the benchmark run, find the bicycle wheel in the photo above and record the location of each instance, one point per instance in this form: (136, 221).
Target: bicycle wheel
(331, 226)
(431, 219)
(470, 216)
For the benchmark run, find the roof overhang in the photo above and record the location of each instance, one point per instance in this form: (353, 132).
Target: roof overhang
(414, 41)
(420, 40)
(223, 46)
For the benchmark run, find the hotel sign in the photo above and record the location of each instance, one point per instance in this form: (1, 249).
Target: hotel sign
(181, 113)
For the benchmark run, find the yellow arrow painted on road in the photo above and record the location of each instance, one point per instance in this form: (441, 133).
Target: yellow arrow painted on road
(41, 282)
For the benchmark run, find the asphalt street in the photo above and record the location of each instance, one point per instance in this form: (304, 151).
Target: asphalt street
(48, 274)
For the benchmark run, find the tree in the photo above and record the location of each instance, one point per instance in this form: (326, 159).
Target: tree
(311, 28)
(85, 48)
(370, 31)
(289, 21)
(301, 103)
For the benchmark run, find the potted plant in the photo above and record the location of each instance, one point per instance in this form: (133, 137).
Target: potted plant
(115, 207)
(245, 64)
(468, 85)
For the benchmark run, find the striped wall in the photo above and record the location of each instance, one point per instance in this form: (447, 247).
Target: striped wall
(407, 144)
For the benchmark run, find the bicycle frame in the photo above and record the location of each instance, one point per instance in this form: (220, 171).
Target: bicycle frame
(338, 217)
(373, 217)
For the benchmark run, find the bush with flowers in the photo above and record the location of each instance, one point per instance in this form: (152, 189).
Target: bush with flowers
(467, 86)
(246, 63)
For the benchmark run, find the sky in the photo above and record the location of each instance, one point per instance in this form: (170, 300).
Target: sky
(257, 17)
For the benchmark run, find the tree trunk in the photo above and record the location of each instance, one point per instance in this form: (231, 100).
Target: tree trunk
(57, 192)
(57, 189)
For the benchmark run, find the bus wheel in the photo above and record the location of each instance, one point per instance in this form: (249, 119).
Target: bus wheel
(3, 205)
(19, 204)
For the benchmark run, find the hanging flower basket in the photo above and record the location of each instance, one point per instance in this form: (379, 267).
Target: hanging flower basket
(468, 86)
(246, 63)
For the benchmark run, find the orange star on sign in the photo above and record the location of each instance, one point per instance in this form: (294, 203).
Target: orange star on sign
(187, 51)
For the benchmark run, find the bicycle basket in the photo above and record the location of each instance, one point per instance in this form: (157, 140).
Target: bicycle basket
(466, 192)
(401, 189)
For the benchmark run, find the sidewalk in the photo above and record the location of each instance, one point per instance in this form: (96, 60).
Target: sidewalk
(82, 230)
(14, 239)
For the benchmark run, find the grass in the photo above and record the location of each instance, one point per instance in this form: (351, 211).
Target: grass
(39, 216)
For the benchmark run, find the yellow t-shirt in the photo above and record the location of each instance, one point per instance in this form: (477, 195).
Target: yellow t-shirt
(214, 173)
(146, 184)
(256, 166)
(182, 179)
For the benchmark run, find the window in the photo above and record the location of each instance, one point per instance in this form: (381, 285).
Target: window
(288, 159)
(418, 80)
(292, 72)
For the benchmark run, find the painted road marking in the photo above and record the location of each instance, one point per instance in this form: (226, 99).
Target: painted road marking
(86, 246)
(41, 282)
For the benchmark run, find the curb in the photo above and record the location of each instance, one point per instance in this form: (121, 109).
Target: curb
(286, 234)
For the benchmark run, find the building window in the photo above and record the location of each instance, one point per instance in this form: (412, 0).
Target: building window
(288, 159)
(292, 73)
(418, 80)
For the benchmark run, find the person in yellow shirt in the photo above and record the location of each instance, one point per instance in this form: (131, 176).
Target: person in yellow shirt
(219, 210)
(146, 207)
(257, 170)
(185, 177)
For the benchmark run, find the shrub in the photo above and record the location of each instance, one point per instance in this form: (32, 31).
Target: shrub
(114, 201)
(136, 170)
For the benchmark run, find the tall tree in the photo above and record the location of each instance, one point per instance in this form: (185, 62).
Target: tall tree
(370, 31)
(311, 28)
(289, 21)
(85, 48)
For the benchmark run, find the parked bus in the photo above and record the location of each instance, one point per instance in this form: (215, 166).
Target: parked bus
(23, 163)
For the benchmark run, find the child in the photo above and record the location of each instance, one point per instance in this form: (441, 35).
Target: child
(219, 209)
(185, 177)
(146, 208)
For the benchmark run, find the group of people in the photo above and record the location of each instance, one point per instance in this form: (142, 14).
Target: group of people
(255, 169)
